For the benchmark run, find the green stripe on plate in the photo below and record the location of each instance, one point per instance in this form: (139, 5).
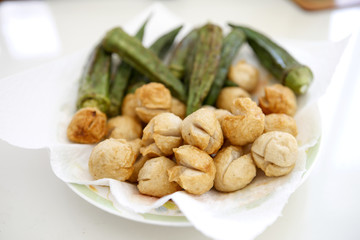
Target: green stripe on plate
(87, 192)
(155, 217)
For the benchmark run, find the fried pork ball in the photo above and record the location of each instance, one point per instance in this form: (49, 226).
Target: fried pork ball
(195, 171)
(280, 122)
(227, 95)
(244, 75)
(203, 130)
(246, 124)
(278, 99)
(153, 178)
(113, 158)
(124, 127)
(178, 108)
(161, 135)
(234, 170)
(129, 105)
(219, 113)
(275, 153)
(139, 163)
(88, 125)
(153, 98)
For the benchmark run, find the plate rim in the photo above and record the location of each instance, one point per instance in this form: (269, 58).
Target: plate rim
(163, 220)
(148, 218)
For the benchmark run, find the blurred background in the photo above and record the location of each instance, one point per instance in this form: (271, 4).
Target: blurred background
(36, 32)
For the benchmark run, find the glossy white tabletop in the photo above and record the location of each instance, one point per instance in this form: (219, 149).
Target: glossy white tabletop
(35, 204)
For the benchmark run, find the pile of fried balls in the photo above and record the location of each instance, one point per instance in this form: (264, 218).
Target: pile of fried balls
(153, 145)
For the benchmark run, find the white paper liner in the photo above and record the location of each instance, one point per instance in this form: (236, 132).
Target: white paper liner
(37, 105)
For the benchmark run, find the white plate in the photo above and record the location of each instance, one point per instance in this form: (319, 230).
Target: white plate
(166, 215)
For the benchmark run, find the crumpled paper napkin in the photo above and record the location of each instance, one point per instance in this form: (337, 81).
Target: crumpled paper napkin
(37, 105)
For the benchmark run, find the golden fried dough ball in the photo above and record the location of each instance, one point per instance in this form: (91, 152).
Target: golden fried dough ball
(227, 95)
(203, 130)
(88, 125)
(246, 124)
(219, 113)
(234, 170)
(244, 75)
(153, 179)
(135, 145)
(139, 163)
(208, 107)
(178, 108)
(195, 171)
(153, 98)
(280, 122)
(161, 135)
(275, 153)
(129, 105)
(112, 158)
(124, 127)
(278, 99)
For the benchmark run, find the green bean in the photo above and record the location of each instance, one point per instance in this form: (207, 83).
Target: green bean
(231, 45)
(160, 47)
(120, 79)
(229, 83)
(206, 61)
(132, 88)
(281, 64)
(177, 62)
(143, 60)
(94, 82)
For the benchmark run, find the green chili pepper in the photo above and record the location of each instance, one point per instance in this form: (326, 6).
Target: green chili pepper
(281, 64)
(206, 61)
(231, 45)
(143, 60)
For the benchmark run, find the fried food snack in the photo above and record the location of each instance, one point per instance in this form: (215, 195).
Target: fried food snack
(113, 158)
(195, 171)
(135, 145)
(178, 108)
(203, 130)
(280, 122)
(129, 105)
(244, 75)
(88, 125)
(153, 98)
(161, 135)
(275, 153)
(124, 127)
(228, 95)
(139, 163)
(278, 99)
(278, 61)
(234, 170)
(219, 113)
(153, 179)
(246, 124)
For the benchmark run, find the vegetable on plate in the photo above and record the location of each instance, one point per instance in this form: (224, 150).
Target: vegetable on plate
(280, 63)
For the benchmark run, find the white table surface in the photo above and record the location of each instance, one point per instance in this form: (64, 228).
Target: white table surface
(35, 204)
